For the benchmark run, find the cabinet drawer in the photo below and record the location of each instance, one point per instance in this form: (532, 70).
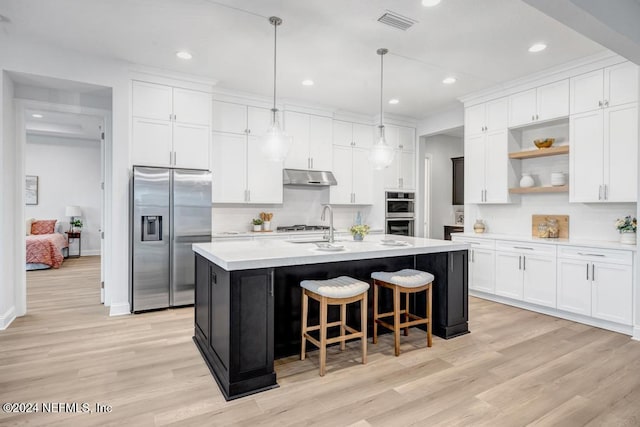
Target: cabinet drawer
(526, 247)
(586, 253)
(476, 243)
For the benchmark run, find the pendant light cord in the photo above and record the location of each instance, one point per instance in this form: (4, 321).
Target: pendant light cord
(275, 57)
(381, 82)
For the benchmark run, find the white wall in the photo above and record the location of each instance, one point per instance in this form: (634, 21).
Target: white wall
(441, 149)
(68, 172)
(26, 57)
(442, 121)
(7, 202)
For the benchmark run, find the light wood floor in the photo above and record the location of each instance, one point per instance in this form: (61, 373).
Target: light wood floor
(515, 368)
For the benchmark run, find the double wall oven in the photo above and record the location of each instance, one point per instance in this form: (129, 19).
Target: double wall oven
(400, 213)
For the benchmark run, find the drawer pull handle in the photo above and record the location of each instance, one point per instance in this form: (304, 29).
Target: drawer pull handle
(585, 254)
(523, 247)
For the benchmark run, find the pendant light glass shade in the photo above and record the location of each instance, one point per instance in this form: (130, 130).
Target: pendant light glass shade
(275, 143)
(381, 154)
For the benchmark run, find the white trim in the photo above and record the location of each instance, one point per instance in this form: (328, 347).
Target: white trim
(171, 78)
(119, 308)
(8, 317)
(587, 320)
(550, 75)
(636, 333)
(92, 252)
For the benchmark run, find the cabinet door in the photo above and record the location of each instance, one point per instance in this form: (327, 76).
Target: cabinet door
(152, 101)
(363, 135)
(259, 120)
(229, 167)
(406, 169)
(509, 274)
(264, 178)
(191, 146)
(151, 142)
(229, 117)
(297, 127)
(586, 92)
(193, 107)
(497, 114)
(362, 177)
(474, 168)
(539, 286)
(482, 269)
(586, 158)
(392, 172)
(474, 119)
(522, 108)
(342, 133)
(201, 298)
(612, 292)
(574, 286)
(497, 167)
(407, 139)
(320, 146)
(621, 153)
(553, 100)
(392, 135)
(343, 171)
(621, 84)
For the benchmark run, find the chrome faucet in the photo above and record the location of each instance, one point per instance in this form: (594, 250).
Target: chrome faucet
(322, 218)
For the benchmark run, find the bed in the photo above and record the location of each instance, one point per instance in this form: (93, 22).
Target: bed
(45, 244)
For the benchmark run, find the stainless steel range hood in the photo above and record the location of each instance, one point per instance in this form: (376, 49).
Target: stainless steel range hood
(308, 177)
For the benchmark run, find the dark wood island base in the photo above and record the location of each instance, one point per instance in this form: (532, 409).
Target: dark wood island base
(246, 318)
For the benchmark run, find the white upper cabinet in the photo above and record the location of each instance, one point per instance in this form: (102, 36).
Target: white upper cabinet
(229, 166)
(363, 135)
(586, 160)
(487, 168)
(170, 126)
(229, 117)
(264, 178)
(354, 175)
(311, 141)
(350, 134)
(543, 103)
(401, 173)
(612, 86)
(474, 165)
(259, 120)
(487, 117)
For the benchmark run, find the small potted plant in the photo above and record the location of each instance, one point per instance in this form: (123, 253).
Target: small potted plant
(359, 231)
(627, 228)
(257, 224)
(76, 225)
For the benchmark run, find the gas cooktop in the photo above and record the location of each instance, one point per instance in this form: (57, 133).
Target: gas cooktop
(302, 228)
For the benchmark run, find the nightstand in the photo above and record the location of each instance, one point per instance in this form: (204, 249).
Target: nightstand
(74, 235)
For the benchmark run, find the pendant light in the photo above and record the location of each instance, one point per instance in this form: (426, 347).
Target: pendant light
(275, 144)
(381, 154)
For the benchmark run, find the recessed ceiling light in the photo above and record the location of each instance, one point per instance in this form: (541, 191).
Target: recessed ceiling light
(538, 47)
(37, 116)
(394, 101)
(430, 3)
(183, 54)
(307, 82)
(449, 80)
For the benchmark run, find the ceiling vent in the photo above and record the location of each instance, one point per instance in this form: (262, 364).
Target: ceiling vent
(397, 21)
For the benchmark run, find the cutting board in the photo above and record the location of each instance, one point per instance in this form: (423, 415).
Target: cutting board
(563, 224)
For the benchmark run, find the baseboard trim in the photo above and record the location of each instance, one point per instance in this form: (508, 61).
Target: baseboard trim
(119, 309)
(636, 333)
(92, 252)
(8, 317)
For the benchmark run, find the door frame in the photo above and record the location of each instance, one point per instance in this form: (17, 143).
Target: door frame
(426, 218)
(21, 107)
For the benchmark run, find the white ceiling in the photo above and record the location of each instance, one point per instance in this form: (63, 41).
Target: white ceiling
(64, 125)
(333, 42)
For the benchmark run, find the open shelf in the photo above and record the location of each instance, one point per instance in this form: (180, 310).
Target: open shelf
(540, 152)
(528, 190)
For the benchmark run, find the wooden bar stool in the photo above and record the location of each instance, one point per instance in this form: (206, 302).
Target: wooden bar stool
(340, 291)
(401, 282)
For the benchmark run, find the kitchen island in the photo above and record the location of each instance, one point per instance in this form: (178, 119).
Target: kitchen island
(248, 298)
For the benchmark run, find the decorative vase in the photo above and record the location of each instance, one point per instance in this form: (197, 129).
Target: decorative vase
(628, 237)
(266, 226)
(558, 179)
(257, 227)
(527, 181)
(358, 237)
(479, 226)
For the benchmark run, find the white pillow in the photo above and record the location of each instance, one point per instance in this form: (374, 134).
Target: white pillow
(28, 223)
(57, 228)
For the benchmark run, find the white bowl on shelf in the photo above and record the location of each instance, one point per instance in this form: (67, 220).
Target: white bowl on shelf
(558, 179)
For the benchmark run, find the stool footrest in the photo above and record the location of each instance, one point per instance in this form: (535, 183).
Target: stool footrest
(402, 325)
(329, 325)
(339, 338)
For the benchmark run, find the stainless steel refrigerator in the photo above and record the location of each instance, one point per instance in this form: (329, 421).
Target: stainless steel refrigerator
(170, 210)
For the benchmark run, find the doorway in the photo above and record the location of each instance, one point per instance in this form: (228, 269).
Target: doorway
(427, 196)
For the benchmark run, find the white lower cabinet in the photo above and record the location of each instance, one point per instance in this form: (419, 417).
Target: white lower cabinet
(539, 285)
(481, 264)
(509, 274)
(596, 283)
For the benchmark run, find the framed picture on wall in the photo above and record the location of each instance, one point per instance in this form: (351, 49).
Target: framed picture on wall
(31, 190)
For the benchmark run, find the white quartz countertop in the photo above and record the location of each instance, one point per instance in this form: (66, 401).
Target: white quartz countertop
(264, 253)
(281, 234)
(603, 244)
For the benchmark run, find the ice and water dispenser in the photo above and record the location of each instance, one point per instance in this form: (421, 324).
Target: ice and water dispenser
(151, 228)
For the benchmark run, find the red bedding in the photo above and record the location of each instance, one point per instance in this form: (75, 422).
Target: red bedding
(46, 249)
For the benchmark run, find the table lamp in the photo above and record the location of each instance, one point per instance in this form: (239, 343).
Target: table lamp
(73, 212)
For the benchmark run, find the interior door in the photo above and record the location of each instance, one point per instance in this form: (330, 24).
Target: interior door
(191, 223)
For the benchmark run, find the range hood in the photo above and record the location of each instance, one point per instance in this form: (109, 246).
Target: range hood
(308, 177)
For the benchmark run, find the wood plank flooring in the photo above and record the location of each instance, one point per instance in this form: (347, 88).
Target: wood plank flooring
(516, 368)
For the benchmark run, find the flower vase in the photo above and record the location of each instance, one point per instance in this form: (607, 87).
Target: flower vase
(358, 237)
(628, 237)
(266, 226)
(257, 227)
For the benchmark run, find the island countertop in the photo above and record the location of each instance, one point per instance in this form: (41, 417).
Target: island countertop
(266, 253)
